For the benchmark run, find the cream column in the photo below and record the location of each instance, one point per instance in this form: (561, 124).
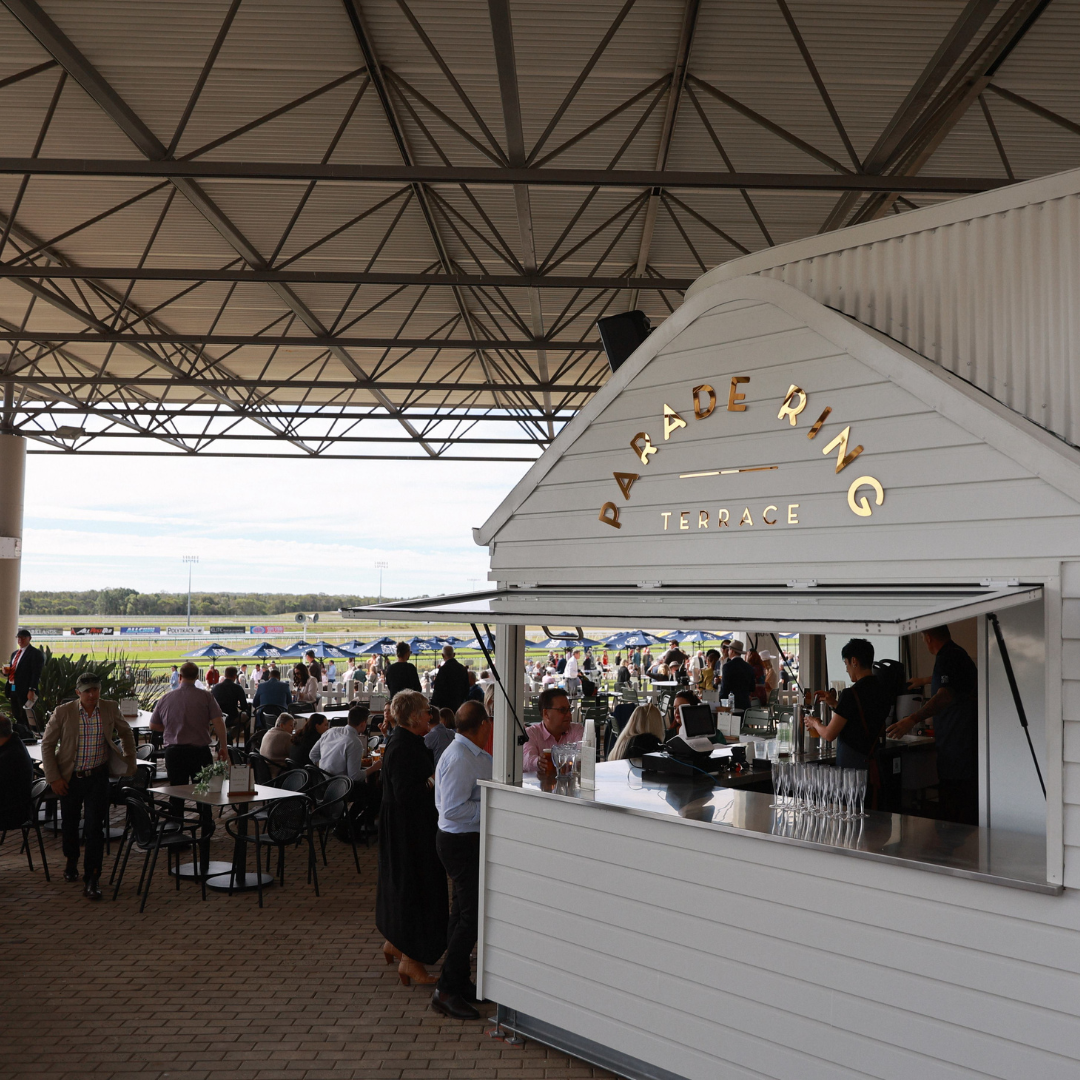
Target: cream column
(510, 660)
(12, 477)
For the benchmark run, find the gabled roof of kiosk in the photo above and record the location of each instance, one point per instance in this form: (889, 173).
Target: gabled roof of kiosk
(983, 286)
(977, 417)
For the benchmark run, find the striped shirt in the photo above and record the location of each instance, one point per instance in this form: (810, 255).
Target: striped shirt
(92, 751)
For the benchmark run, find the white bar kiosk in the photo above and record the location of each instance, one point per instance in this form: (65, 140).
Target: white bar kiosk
(842, 438)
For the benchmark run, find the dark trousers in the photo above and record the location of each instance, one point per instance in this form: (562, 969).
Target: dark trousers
(182, 764)
(958, 800)
(460, 856)
(88, 798)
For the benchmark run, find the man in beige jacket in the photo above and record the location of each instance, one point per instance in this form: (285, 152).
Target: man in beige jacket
(75, 756)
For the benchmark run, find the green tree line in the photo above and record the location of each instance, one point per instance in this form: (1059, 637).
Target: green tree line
(133, 603)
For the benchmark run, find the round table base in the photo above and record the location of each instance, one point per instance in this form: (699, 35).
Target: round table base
(243, 883)
(190, 870)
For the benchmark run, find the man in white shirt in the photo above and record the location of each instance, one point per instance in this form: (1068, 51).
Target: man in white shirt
(340, 750)
(461, 767)
(570, 673)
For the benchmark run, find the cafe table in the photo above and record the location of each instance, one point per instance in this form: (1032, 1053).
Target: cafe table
(219, 873)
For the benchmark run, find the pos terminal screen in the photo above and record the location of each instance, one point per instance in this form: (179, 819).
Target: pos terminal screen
(697, 720)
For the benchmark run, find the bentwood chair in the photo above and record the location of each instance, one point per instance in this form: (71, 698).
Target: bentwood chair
(151, 830)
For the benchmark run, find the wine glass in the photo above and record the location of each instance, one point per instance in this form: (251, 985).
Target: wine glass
(861, 776)
(849, 794)
(777, 784)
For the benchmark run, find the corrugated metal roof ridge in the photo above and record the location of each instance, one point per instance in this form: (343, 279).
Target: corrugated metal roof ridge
(1026, 193)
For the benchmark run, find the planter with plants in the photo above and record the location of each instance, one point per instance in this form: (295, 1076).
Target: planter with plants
(211, 777)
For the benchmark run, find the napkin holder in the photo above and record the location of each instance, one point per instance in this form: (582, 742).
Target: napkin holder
(587, 759)
(241, 780)
(129, 708)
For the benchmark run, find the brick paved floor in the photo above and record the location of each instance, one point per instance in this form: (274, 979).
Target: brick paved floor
(221, 990)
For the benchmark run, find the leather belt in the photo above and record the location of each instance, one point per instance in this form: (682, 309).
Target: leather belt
(82, 773)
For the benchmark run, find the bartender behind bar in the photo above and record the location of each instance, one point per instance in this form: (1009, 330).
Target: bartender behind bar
(954, 705)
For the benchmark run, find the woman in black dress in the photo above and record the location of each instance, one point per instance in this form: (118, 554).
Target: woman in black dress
(411, 907)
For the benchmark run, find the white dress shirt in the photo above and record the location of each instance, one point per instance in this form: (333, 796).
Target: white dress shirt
(457, 791)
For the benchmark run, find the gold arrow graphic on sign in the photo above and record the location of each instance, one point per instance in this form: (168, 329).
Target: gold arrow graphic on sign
(727, 472)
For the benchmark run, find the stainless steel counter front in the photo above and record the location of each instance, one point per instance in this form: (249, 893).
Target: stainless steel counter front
(1014, 859)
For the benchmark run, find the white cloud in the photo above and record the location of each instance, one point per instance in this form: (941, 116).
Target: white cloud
(258, 525)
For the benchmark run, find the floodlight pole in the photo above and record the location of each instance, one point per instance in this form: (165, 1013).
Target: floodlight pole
(189, 559)
(381, 566)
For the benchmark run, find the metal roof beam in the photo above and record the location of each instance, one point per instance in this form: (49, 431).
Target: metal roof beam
(211, 386)
(342, 172)
(338, 277)
(111, 337)
(667, 132)
(61, 48)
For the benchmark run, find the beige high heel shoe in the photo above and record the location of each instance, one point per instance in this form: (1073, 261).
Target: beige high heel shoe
(410, 971)
(390, 954)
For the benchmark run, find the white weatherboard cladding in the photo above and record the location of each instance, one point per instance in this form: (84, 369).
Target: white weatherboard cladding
(714, 955)
(984, 286)
(954, 464)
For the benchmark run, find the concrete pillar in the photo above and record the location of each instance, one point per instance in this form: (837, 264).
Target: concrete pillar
(12, 478)
(510, 660)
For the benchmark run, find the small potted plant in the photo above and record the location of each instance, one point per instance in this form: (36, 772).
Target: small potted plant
(211, 777)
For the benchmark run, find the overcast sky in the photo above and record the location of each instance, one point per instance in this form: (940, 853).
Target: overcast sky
(267, 526)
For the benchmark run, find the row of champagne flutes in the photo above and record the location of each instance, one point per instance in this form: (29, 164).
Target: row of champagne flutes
(808, 787)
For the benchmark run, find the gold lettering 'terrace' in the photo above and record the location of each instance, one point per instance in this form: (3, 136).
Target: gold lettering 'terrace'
(625, 480)
(789, 409)
(699, 412)
(672, 422)
(723, 519)
(747, 518)
(703, 519)
(665, 514)
(642, 445)
(733, 397)
(765, 515)
(684, 519)
(793, 514)
(609, 515)
(843, 458)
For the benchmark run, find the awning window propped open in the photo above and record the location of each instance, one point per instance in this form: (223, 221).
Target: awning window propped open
(800, 607)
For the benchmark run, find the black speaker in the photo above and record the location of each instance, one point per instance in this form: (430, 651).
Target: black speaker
(622, 334)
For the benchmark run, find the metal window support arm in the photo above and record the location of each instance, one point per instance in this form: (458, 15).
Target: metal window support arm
(786, 662)
(1017, 700)
(523, 735)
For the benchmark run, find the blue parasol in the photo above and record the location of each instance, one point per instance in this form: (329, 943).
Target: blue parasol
(211, 650)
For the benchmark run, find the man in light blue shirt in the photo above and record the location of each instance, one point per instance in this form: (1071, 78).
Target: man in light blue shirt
(457, 797)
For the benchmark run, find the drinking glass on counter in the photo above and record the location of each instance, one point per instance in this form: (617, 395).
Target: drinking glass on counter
(861, 776)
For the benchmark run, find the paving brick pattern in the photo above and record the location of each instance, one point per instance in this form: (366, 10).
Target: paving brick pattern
(221, 990)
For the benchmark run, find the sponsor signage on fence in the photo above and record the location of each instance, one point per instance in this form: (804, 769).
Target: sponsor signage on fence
(140, 629)
(80, 631)
(219, 630)
(189, 630)
(264, 631)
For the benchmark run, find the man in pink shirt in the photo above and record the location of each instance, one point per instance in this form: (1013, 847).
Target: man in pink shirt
(554, 727)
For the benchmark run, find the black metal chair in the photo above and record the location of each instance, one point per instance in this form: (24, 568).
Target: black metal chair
(38, 792)
(292, 780)
(152, 829)
(286, 822)
(261, 768)
(330, 803)
(237, 755)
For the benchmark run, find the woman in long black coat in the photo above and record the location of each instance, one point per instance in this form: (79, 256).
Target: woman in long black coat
(411, 907)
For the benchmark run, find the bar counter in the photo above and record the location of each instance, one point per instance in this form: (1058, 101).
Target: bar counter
(1017, 860)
